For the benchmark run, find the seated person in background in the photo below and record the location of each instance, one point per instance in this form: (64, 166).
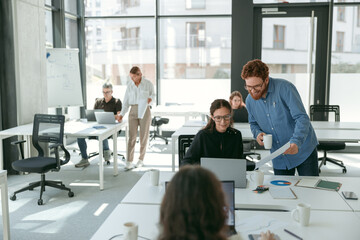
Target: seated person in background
(194, 207)
(217, 139)
(240, 113)
(109, 104)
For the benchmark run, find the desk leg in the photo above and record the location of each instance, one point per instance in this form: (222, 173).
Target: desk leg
(5, 207)
(173, 140)
(101, 165)
(115, 154)
(1, 154)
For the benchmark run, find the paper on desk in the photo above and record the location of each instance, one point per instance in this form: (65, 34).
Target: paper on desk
(273, 155)
(143, 98)
(258, 223)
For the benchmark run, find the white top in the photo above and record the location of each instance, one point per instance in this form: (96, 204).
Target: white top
(133, 93)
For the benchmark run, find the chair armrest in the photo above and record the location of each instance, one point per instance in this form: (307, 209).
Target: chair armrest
(55, 145)
(18, 142)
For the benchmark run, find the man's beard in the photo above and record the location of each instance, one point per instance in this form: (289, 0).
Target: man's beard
(259, 94)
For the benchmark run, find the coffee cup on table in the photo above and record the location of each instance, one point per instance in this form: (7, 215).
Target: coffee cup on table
(267, 139)
(130, 231)
(257, 177)
(301, 214)
(154, 177)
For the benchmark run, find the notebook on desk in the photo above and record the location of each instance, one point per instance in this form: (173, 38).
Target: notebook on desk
(105, 118)
(227, 169)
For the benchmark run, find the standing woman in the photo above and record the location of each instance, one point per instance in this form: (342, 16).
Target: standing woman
(137, 89)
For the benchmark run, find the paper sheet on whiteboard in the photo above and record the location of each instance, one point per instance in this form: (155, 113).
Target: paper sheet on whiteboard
(273, 155)
(142, 104)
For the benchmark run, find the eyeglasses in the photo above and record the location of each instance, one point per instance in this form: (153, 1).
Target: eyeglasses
(107, 92)
(225, 117)
(256, 87)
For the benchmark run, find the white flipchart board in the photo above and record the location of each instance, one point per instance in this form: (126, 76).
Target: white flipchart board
(63, 77)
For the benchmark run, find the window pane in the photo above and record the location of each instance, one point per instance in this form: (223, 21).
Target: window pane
(194, 53)
(113, 46)
(71, 6)
(48, 2)
(195, 7)
(119, 7)
(48, 29)
(71, 33)
(290, 1)
(345, 63)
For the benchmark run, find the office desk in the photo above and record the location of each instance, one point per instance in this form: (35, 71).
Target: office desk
(144, 193)
(323, 224)
(336, 125)
(4, 204)
(349, 184)
(73, 129)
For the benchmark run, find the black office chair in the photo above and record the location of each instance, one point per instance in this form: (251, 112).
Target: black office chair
(46, 129)
(321, 113)
(184, 142)
(156, 122)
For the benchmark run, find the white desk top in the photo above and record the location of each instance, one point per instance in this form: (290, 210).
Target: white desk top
(336, 125)
(144, 193)
(349, 184)
(323, 224)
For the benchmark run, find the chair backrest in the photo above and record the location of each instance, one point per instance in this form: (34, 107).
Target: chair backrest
(47, 129)
(184, 142)
(321, 112)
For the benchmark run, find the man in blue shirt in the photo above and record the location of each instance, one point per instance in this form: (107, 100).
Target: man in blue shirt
(275, 107)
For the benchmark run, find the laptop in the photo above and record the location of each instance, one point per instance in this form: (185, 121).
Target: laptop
(105, 118)
(229, 191)
(227, 169)
(90, 114)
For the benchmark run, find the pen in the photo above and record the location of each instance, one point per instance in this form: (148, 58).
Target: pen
(293, 234)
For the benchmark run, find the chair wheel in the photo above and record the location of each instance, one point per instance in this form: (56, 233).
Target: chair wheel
(70, 194)
(107, 162)
(344, 170)
(40, 202)
(166, 142)
(13, 197)
(319, 170)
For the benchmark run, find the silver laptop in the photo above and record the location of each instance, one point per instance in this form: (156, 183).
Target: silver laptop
(90, 114)
(227, 169)
(105, 118)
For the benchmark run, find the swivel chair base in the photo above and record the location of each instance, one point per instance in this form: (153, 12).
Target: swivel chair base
(325, 159)
(42, 183)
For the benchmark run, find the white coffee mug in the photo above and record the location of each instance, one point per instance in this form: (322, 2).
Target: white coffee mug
(257, 177)
(267, 139)
(154, 177)
(130, 231)
(301, 214)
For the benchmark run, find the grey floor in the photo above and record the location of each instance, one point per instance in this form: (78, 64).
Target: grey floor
(79, 217)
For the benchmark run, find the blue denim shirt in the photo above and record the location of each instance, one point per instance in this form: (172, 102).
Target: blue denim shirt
(283, 115)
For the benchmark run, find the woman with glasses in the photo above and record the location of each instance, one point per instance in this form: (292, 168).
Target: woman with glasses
(217, 139)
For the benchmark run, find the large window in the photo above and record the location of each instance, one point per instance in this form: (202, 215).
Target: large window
(193, 49)
(345, 64)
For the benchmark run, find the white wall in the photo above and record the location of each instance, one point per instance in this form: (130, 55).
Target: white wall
(29, 37)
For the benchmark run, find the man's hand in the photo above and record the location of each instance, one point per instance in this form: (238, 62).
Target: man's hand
(293, 149)
(260, 139)
(149, 100)
(119, 118)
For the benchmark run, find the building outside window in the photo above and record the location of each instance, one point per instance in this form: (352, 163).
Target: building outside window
(340, 41)
(341, 14)
(195, 4)
(279, 37)
(195, 34)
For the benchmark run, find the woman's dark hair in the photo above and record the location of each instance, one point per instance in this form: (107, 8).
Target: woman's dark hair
(193, 207)
(238, 94)
(215, 105)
